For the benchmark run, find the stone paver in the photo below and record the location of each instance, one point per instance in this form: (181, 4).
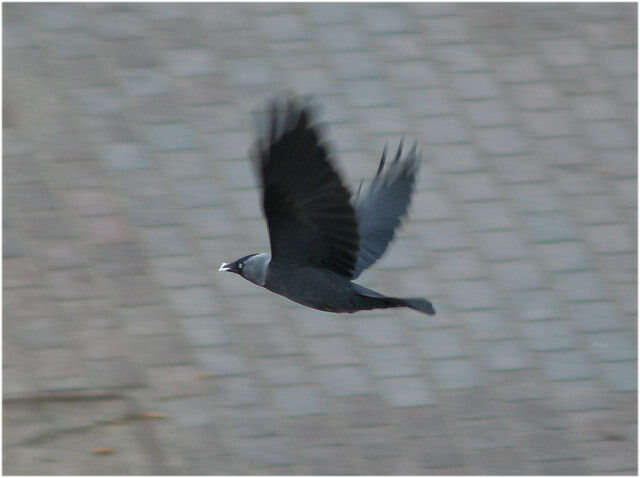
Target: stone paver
(127, 181)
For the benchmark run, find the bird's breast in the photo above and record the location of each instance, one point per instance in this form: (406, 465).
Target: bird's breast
(317, 288)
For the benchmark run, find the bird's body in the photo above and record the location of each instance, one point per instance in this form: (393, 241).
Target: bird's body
(319, 283)
(346, 296)
(322, 238)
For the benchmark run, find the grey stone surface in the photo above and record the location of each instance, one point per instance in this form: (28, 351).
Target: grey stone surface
(127, 181)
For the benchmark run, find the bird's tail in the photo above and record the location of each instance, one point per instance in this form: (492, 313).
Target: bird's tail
(374, 300)
(419, 304)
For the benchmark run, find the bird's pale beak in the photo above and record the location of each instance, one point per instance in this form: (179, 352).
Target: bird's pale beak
(224, 267)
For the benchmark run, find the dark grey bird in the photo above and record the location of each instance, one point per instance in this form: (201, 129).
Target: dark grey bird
(321, 237)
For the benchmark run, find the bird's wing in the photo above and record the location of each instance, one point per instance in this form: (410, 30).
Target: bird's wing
(384, 204)
(310, 217)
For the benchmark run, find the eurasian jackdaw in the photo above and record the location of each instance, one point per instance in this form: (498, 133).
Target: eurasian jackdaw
(321, 237)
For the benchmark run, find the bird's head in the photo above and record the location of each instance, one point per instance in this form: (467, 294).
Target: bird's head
(252, 267)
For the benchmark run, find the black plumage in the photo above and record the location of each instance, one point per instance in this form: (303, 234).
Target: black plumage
(322, 238)
(309, 216)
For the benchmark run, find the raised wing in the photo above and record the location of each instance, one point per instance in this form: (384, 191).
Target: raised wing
(310, 217)
(381, 209)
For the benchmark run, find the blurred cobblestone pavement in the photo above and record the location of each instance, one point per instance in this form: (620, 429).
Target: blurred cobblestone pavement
(126, 183)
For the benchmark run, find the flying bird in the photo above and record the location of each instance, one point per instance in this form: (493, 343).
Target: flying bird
(321, 236)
